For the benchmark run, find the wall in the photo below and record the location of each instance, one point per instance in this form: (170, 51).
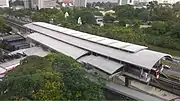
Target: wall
(4, 3)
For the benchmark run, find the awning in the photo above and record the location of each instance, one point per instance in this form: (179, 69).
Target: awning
(102, 63)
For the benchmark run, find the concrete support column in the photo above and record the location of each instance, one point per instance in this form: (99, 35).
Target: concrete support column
(127, 81)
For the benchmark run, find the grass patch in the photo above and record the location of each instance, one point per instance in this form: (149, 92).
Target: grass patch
(165, 50)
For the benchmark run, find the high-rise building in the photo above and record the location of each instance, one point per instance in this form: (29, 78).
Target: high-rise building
(79, 3)
(43, 3)
(124, 2)
(4, 3)
(166, 1)
(159, 1)
(27, 3)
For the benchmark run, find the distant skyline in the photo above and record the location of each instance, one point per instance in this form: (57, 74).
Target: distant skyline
(114, 1)
(4, 3)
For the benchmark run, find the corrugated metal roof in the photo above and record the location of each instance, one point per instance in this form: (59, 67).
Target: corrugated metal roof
(120, 44)
(144, 58)
(98, 39)
(59, 46)
(102, 63)
(9, 64)
(97, 48)
(38, 51)
(12, 37)
(108, 41)
(139, 58)
(134, 48)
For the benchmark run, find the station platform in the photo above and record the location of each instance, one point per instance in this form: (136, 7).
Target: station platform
(134, 94)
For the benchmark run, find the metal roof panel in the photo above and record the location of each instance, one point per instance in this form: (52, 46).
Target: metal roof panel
(59, 46)
(134, 48)
(102, 63)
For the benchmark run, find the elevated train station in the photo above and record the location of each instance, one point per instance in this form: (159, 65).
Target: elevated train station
(109, 58)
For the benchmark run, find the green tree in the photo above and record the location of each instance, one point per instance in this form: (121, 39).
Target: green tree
(50, 78)
(151, 7)
(50, 91)
(1, 24)
(159, 28)
(74, 77)
(175, 30)
(97, 13)
(125, 12)
(165, 14)
(87, 18)
(4, 29)
(28, 78)
(108, 18)
(58, 17)
(143, 15)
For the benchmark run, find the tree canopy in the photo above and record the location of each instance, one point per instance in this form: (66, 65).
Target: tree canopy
(50, 78)
(4, 29)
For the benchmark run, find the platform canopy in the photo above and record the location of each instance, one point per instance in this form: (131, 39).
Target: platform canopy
(102, 63)
(116, 50)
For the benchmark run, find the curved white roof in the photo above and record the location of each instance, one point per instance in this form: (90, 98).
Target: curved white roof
(102, 63)
(59, 46)
(31, 51)
(122, 51)
(144, 58)
(98, 39)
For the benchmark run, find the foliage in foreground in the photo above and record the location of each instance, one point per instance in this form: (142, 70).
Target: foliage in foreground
(4, 29)
(52, 77)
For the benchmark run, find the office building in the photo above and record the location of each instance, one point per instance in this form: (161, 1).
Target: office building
(79, 3)
(27, 3)
(4, 3)
(133, 2)
(166, 1)
(43, 3)
(160, 1)
(124, 2)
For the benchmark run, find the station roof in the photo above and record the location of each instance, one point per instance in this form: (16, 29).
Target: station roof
(59, 46)
(102, 63)
(38, 51)
(11, 37)
(80, 43)
(11, 64)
